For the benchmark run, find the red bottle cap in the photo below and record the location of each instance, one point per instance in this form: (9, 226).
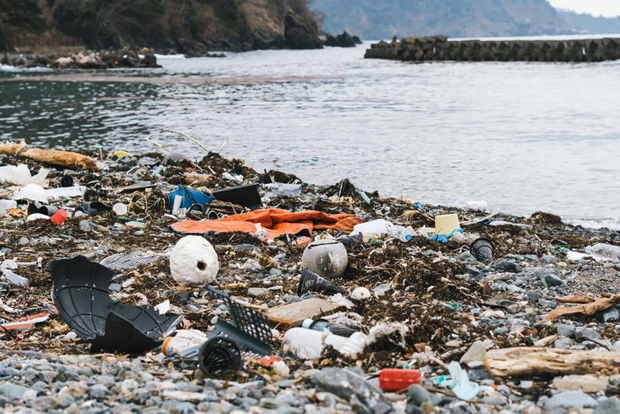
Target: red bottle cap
(59, 217)
(398, 379)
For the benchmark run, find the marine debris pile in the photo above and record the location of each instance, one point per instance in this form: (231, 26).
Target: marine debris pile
(156, 283)
(439, 48)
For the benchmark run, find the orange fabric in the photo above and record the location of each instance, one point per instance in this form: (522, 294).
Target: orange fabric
(275, 222)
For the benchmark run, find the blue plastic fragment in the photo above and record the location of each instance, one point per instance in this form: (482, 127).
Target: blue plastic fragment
(190, 197)
(442, 238)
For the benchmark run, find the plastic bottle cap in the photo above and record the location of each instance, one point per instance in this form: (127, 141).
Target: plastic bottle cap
(408, 237)
(306, 323)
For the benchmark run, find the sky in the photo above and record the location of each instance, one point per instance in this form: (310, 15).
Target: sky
(607, 8)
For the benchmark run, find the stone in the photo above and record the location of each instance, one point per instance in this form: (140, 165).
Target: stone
(585, 383)
(475, 353)
(508, 266)
(566, 330)
(193, 261)
(43, 404)
(608, 406)
(184, 396)
(562, 343)
(548, 277)
(12, 391)
(609, 315)
(347, 384)
(418, 395)
(570, 399)
(584, 334)
(257, 292)
(98, 391)
(549, 259)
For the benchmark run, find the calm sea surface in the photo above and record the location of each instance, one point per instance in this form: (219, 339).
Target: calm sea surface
(521, 136)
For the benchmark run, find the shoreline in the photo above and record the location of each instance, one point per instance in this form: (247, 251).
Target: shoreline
(438, 294)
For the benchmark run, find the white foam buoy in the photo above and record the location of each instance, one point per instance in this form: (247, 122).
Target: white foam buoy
(360, 293)
(327, 258)
(193, 261)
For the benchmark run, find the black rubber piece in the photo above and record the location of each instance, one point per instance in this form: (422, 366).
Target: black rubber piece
(311, 282)
(90, 196)
(66, 181)
(80, 293)
(94, 208)
(38, 208)
(243, 195)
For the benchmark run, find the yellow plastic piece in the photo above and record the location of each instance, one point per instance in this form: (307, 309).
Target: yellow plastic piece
(446, 224)
(119, 154)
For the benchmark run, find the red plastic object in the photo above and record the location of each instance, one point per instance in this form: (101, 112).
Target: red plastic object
(398, 379)
(59, 217)
(267, 362)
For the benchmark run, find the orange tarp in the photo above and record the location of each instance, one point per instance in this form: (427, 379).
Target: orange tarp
(276, 222)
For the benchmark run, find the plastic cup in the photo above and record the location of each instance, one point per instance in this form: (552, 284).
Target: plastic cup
(119, 209)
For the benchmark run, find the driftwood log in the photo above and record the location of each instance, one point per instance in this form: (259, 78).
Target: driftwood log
(604, 302)
(549, 362)
(56, 158)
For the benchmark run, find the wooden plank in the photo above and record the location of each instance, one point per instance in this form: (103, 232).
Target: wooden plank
(293, 314)
(549, 362)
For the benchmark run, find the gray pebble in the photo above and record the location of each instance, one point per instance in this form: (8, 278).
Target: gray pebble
(570, 399)
(566, 330)
(12, 391)
(608, 406)
(98, 391)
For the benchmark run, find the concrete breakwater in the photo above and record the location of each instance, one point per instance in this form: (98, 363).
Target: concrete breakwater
(438, 48)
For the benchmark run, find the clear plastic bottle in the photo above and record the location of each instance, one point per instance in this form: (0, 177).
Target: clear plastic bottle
(403, 234)
(321, 324)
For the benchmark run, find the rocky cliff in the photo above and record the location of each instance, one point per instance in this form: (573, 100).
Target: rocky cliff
(373, 19)
(185, 26)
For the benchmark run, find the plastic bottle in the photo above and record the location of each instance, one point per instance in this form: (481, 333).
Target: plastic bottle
(350, 346)
(321, 324)
(7, 204)
(293, 190)
(184, 340)
(260, 233)
(401, 233)
(398, 379)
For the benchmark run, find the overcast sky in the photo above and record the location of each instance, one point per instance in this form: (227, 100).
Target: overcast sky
(607, 8)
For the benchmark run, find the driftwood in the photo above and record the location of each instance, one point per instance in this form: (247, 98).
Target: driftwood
(605, 302)
(56, 158)
(549, 362)
(575, 299)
